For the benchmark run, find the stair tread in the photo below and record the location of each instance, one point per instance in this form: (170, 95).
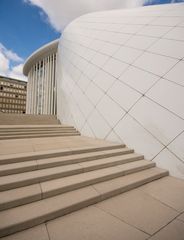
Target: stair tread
(4, 126)
(63, 183)
(31, 214)
(38, 134)
(52, 153)
(107, 187)
(85, 155)
(63, 160)
(54, 172)
(2, 134)
(56, 186)
(20, 196)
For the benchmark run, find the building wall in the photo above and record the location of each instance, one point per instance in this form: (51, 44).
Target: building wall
(12, 95)
(120, 78)
(41, 97)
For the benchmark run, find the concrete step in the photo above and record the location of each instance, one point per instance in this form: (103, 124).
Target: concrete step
(31, 177)
(39, 135)
(14, 168)
(32, 214)
(24, 131)
(23, 119)
(23, 157)
(32, 129)
(37, 132)
(34, 126)
(20, 196)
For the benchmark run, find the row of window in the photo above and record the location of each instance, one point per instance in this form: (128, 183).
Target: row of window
(12, 111)
(13, 85)
(11, 106)
(9, 100)
(12, 95)
(6, 89)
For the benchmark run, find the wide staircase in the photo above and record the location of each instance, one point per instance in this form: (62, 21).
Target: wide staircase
(36, 187)
(19, 132)
(32, 126)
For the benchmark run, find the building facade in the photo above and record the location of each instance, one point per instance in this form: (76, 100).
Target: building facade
(40, 68)
(120, 78)
(12, 95)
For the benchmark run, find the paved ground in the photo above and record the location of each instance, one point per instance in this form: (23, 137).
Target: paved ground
(154, 211)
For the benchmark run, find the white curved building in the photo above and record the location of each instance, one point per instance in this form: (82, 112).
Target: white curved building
(40, 68)
(121, 78)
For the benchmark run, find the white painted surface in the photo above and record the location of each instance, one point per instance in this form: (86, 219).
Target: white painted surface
(120, 77)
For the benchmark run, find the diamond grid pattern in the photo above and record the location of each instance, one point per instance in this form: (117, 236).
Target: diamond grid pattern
(120, 78)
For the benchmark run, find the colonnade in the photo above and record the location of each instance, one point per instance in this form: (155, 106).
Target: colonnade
(41, 88)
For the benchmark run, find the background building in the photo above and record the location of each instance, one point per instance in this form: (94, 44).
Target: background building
(12, 95)
(41, 70)
(120, 78)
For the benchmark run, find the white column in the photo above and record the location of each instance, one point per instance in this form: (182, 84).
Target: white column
(49, 77)
(43, 83)
(36, 88)
(31, 84)
(47, 89)
(33, 93)
(55, 84)
(52, 84)
(28, 93)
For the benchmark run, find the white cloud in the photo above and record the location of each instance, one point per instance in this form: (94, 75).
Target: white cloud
(10, 54)
(4, 64)
(16, 72)
(6, 58)
(61, 12)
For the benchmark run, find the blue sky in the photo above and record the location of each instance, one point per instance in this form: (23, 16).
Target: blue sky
(26, 25)
(162, 2)
(23, 28)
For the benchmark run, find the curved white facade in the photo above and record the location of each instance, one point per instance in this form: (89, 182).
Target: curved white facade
(41, 71)
(121, 78)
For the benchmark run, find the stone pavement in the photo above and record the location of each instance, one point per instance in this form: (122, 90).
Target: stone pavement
(154, 211)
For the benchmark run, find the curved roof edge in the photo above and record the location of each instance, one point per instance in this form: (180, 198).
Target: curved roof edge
(39, 54)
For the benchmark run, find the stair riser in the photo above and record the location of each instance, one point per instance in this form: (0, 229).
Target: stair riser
(30, 122)
(38, 179)
(132, 186)
(62, 174)
(94, 181)
(36, 132)
(62, 163)
(85, 159)
(5, 130)
(39, 136)
(41, 219)
(73, 187)
(57, 154)
(19, 202)
(61, 212)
